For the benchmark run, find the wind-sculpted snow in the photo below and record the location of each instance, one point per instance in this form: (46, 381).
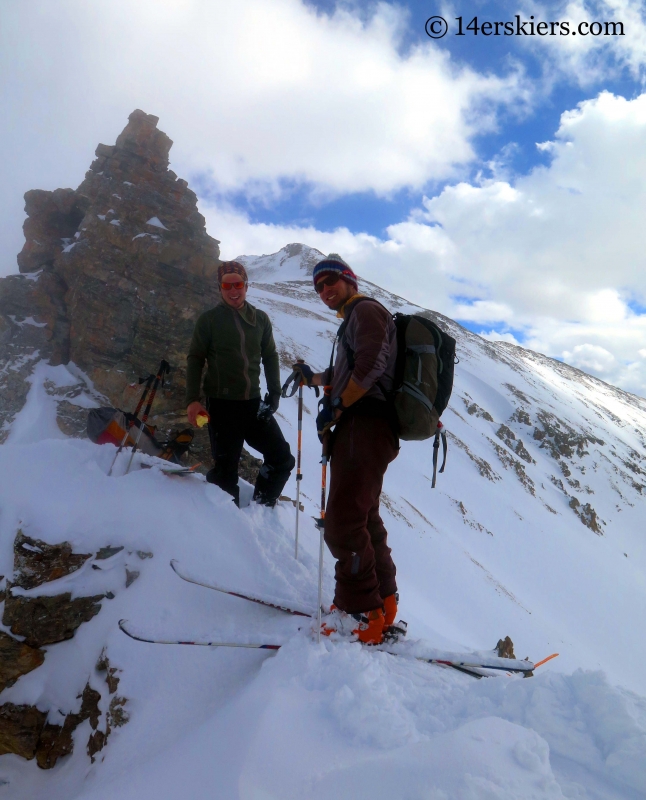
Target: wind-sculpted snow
(339, 721)
(535, 531)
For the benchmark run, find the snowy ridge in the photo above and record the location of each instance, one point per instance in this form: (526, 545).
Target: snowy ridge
(535, 531)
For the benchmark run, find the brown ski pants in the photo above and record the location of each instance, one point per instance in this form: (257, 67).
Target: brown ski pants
(363, 446)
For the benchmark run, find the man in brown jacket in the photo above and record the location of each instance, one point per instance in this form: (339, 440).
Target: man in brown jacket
(233, 339)
(362, 444)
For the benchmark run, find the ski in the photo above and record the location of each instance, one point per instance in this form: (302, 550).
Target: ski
(254, 646)
(467, 667)
(286, 609)
(123, 623)
(178, 470)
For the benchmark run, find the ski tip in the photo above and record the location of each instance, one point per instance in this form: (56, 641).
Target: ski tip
(545, 660)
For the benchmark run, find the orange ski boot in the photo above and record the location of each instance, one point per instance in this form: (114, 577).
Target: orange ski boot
(371, 626)
(390, 609)
(368, 631)
(392, 632)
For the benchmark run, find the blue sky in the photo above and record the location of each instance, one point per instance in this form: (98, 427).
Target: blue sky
(514, 141)
(345, 127)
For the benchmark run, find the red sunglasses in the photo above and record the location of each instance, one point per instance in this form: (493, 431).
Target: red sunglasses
(329, 280)
(227, 286)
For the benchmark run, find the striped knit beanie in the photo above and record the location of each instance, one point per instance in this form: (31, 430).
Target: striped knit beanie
(231, 268)
(334, 264)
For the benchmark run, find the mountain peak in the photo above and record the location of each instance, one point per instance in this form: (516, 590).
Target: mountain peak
(141, 137)
(294, 262)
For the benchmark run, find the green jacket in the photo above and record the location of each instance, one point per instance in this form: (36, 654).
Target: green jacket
(232, 343)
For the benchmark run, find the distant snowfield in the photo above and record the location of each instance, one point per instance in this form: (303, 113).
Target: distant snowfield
(494, 550)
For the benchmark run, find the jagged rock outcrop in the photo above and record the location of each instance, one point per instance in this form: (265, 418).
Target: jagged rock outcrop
(24, 730)
(16, 659)
(46, 620)
(113, 275)
(35, 562)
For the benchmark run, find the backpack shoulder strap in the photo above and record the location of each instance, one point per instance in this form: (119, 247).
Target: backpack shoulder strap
(340, 337)
(346, 318)
(340, 334)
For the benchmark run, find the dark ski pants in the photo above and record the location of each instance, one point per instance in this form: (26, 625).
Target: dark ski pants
(234, 422)
(362, 448)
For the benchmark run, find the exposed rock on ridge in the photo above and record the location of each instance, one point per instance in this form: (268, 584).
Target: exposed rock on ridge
(45, 620)
(113, 274)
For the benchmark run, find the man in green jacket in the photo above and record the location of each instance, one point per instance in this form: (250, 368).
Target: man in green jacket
(233, 338)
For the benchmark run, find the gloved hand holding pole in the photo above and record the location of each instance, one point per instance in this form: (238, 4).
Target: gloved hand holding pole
(302, 375)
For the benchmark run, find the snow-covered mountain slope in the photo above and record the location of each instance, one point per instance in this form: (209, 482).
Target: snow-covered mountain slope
(534, 531)
(540, 511)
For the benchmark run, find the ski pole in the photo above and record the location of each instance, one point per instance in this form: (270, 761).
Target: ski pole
(299, 475)
(148, 381)
(164, 367)
(296, 382)
(321, 526)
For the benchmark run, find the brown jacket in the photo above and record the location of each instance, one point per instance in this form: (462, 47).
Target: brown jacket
(371, 337)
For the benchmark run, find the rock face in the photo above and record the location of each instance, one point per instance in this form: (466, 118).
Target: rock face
(16, 659)
(113, 274)
(37, 562)
(24, 730)
(45, 620)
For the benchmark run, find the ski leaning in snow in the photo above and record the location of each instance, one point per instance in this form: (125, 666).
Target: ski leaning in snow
(469, 667)
(279, 607)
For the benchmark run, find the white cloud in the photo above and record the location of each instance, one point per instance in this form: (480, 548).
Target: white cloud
(591, 358)
(567, 240)
(582, 56)
(494, 336)
(254, 94)
(259, 93)
(558, 255)
(484, 311)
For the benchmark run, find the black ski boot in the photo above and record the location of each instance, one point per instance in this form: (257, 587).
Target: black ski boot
(234, 491)
(271, 481)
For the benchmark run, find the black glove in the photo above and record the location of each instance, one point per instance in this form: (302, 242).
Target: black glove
(306, 372)
(301, 373)
(268, 406)
(325, 420)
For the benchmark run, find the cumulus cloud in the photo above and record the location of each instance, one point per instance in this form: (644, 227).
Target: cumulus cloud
(566, 240)
(588, 58)
(256, 96)
(560, 255)
(591, 358)
(259, 96)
